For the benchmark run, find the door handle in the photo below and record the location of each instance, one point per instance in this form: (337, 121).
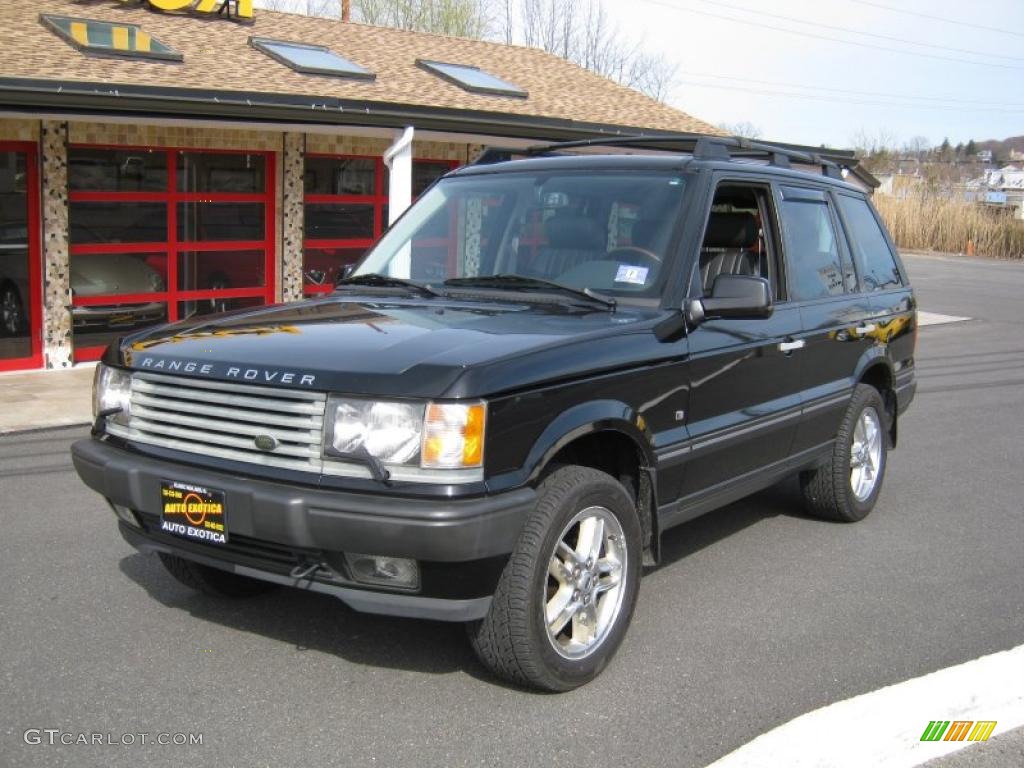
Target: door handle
(789, 345)
(866, 328)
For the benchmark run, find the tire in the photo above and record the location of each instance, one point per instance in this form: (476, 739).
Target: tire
(12, 311)
(212, 581)
(219, 282)
(589, 509)
(846, 487)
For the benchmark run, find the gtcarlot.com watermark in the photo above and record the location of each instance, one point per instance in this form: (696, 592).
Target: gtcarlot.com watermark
(56, 736)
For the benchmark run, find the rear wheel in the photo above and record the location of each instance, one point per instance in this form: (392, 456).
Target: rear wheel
(846, 487)
(212, 581)
(566, 597)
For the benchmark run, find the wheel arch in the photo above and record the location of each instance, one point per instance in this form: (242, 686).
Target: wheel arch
(876, 370)
(603, 435)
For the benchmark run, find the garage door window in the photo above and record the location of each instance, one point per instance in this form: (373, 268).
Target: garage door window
(346, 211)
(162, 235)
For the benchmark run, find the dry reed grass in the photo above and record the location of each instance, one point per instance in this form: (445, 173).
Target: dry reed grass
(932, 223)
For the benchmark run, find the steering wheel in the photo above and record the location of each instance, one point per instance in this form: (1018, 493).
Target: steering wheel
(629, 250)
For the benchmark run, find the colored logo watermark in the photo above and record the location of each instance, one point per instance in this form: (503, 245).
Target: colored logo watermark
(958, 730)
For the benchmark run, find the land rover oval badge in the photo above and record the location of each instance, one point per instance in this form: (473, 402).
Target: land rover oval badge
(265, 442)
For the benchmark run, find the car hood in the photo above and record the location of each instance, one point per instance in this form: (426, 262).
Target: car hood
(103, 274)
(398, 347)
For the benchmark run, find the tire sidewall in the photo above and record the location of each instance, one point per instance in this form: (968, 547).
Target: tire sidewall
(865, 397)
(607, 493)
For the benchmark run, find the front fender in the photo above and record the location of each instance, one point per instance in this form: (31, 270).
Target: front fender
(571, 424)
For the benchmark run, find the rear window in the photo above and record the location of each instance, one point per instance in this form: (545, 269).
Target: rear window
(812, 251)
(871, 251)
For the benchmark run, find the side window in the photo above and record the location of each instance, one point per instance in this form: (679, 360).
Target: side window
(870, 249)
(812, 249)
(738, 238)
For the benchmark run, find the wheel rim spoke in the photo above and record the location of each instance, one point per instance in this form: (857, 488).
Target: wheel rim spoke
(865, 454)
(560, 610)
(591, 537)
(584, 591)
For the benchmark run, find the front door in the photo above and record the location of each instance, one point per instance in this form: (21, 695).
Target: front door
(744, 389)
(20, 308)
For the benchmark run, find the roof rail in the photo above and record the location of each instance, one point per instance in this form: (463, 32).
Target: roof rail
(701, 146)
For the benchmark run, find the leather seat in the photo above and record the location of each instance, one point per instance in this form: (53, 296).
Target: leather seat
(572, 240)
(729, 248)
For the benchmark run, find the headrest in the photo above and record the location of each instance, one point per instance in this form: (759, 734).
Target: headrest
(645, 231)
(731, 230)
(572, 232)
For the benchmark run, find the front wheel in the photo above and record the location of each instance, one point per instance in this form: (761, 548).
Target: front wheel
(567, 594)
(846, 487)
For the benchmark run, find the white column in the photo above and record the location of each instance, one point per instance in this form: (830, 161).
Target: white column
(398, 159)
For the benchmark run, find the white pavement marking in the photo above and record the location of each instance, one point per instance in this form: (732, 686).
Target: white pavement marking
(883, 728)
(934, 318)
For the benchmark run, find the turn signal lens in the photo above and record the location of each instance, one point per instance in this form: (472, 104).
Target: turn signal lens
(453, 435)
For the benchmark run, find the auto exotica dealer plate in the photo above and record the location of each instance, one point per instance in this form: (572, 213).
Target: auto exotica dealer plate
(193, 512)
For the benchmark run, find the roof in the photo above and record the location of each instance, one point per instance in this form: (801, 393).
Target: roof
(219, 60)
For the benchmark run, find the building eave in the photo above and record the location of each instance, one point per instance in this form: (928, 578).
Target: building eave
(95, 99)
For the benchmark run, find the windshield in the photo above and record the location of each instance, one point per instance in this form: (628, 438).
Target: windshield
(607, 232)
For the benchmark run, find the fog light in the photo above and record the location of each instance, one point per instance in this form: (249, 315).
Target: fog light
(384, 571)
(125, 514)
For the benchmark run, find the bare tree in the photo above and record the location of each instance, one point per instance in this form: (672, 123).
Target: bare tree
(744, 128)
(582, 32)
(462, 18)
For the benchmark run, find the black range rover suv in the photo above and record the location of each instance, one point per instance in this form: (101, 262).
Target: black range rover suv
(541, 368)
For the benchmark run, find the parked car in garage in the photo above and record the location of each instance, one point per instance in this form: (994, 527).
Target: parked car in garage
(91, 275)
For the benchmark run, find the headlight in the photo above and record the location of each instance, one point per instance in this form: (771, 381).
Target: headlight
(430, 436)
(390, 432)
(112, 388)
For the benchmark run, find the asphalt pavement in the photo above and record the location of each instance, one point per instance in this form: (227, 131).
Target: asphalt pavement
(756, 615)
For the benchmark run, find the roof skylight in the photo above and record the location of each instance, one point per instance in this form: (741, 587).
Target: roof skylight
(472, 78)
(115, 39)
(310, 59)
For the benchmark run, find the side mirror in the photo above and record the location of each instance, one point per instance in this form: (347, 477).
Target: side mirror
(732, 296)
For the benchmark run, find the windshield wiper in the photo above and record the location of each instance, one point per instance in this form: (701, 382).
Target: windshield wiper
(375, 280)
(519, 282)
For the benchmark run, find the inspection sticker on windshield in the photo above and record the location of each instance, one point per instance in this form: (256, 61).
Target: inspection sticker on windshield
(633, 275)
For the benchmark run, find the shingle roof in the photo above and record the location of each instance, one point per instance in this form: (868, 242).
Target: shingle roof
(217, 56)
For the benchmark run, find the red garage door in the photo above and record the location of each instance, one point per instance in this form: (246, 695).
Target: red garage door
(20, 267)
(166, 234)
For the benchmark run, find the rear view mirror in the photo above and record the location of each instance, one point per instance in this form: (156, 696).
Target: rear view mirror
(732, 296)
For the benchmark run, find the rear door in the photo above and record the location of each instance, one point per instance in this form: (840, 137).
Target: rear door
(884, 281)
(836, 316)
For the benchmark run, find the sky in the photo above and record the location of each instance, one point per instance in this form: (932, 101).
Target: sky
(964, 82)
(837, 71)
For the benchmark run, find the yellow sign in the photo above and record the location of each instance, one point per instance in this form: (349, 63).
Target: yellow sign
(241, 9)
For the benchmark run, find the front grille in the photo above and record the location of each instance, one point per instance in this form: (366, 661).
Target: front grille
(216, 418)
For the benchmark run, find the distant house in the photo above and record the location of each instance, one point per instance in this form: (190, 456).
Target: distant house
(1004, 187)
(984, 156)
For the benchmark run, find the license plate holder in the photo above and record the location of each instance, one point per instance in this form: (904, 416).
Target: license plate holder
(193, 512)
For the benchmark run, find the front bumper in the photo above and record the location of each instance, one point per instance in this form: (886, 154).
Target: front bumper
(275, 527)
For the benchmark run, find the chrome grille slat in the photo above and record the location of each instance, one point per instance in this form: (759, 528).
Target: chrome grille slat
(240, 400)
(147, 416)
(186, 446)
(215, 439)
(312, 423)
(220, 419)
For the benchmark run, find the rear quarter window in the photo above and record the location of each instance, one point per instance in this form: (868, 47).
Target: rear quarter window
(871, 250)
